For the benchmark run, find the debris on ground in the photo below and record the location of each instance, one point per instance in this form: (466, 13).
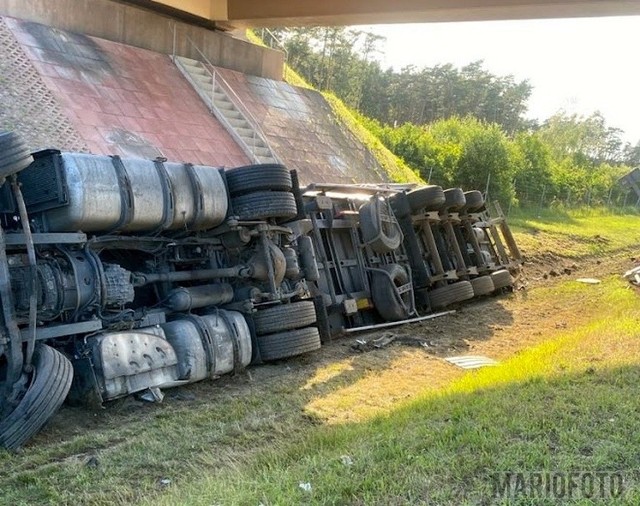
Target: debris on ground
(471, 361)
(305, 486)
(153, 394)
(364, 345)
(346, 460)
(633, 276)
(589, 281)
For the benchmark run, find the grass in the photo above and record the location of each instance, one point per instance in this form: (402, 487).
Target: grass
(567, 404)
(576, 233)
(397, 170)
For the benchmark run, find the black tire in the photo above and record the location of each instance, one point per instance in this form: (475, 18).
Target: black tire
(474, 200)
(14, 155)
(482, 286)
(385, 297)
(252, 178)
(289, 344)
(400, 205)
(373, 233)
(454, 199)
(501, 279)
(264, 204)
(285, 317)
(429, 198)
(450, 294)
(50, 384)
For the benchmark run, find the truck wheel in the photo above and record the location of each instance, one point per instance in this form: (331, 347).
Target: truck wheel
(252, 178)
(289, 344)
(379, 228)
(450, 294)
(265, 204)
(474, 200)
(454, 199)
(285, 317)
(14, 155)
(501, 279)
(384, 294)
(429, 198)
(50, 383)
(482, 286)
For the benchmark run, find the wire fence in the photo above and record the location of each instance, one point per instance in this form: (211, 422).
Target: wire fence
(614, 197)
(532, 196)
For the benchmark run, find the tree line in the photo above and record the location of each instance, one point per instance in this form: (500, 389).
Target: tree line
(465, 126)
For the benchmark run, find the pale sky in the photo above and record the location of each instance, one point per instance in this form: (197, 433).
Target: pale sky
(579, 65)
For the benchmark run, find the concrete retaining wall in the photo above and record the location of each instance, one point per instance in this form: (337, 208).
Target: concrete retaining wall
(80, 93)
(305, 134)
(75, 92)
(146, 29)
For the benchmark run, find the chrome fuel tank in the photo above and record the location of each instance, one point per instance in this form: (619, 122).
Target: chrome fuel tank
(210, 345)
(183, 351)
(110, 194)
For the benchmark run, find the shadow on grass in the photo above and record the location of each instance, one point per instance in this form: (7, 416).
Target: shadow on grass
(446, 449)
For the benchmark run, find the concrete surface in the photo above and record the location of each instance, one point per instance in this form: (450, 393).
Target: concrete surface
(118, 22)
(88, 94)
(236, 13)
(302, 130)
(121, 99)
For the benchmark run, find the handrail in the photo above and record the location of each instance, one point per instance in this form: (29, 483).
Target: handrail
(217, 78)
(279, 44)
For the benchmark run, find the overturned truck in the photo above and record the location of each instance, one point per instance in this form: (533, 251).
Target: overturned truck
(120, 276)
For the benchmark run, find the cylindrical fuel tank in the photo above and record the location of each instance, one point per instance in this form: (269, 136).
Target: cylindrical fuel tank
(210, 345)
(112, 194)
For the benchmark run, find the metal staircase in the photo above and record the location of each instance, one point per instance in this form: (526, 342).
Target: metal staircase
(227, 107)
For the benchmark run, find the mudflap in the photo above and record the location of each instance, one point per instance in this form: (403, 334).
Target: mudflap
(84, 389)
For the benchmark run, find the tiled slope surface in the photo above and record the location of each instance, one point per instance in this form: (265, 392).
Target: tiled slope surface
(303, 131)
(81, 93)
(27, 105)
(124, 100)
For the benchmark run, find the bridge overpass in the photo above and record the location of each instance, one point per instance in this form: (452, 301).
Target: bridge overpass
(264, 13)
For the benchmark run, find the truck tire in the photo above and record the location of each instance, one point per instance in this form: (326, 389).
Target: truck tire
(454, 199)
(381, 239)
(450, 294)
(501, 279)
(264, 204)
(285, 317)
(429, 198)
(384, 294)
(50, 384)
(473, 200)
(14, 155)
(289, 344)
(252, 178)
(482, 285)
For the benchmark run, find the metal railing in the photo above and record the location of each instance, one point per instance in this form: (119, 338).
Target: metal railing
(218, 81)
(271, 39)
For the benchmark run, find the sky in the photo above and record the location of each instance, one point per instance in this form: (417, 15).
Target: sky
(578, 65)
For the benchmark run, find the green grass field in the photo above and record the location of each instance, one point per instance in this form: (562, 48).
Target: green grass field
(568, 404)
(567, 401)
